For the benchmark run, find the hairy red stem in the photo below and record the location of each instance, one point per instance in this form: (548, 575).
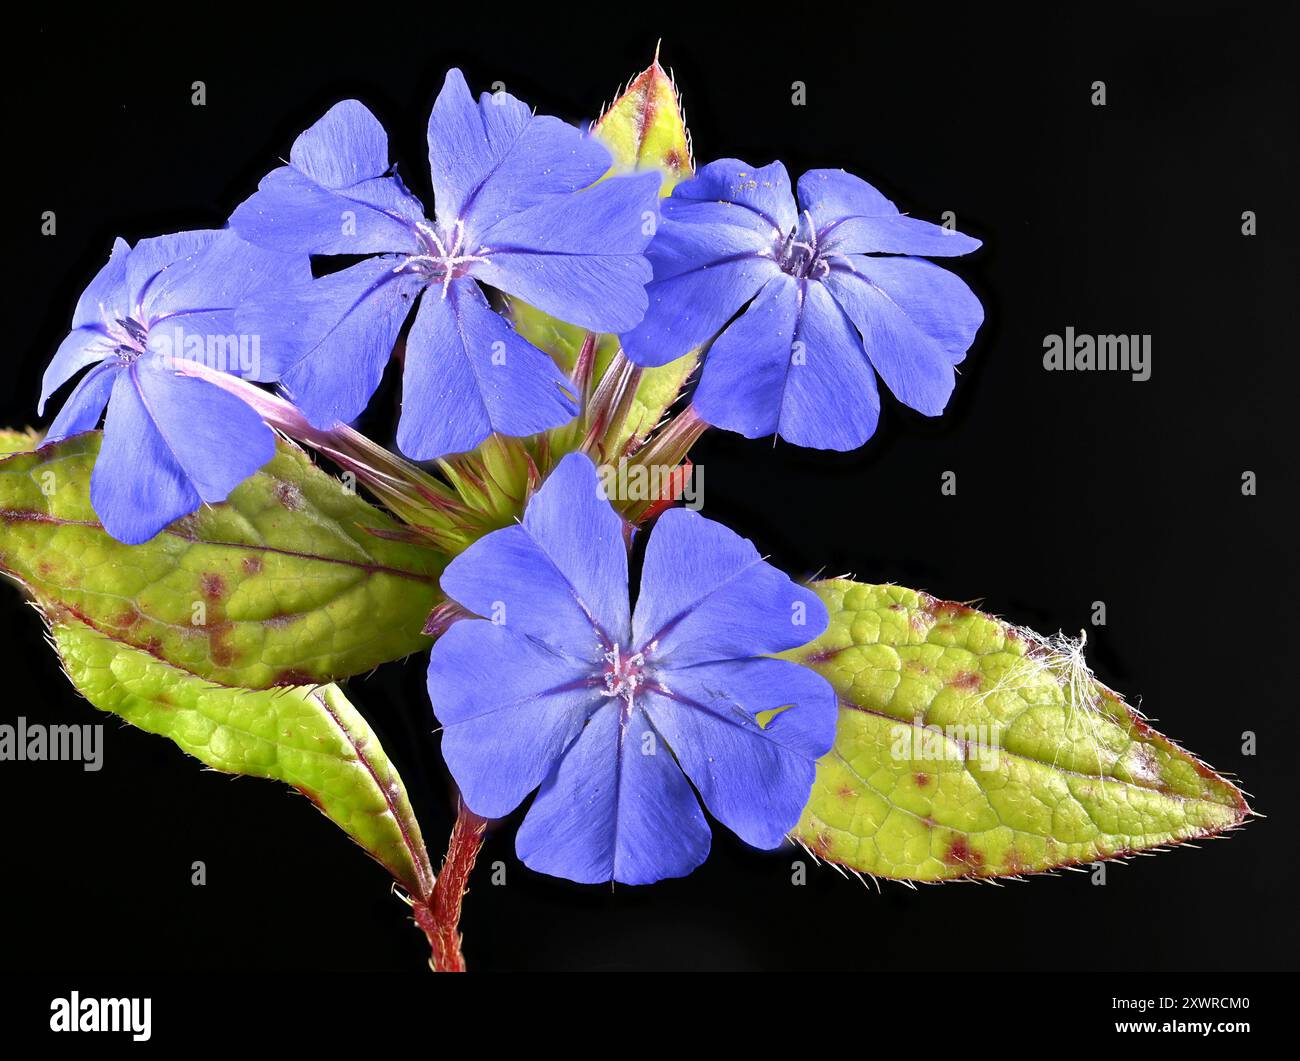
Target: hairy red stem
(439, 915)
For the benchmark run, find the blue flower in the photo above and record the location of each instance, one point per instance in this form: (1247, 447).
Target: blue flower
(611, 711)
(824, 307)
(171, 441)
(516, 210)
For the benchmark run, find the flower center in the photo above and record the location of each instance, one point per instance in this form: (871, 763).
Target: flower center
(797, 253)
(444, 256)
(623, 674)
(130, 338)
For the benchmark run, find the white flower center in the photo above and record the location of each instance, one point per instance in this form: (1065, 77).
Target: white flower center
(443, 259)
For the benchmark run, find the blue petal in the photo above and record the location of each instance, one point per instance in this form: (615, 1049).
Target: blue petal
(613, 812)
(496, 158)
(468, 373)
(215, 437)
(289, 212)
(211, 338)
(330, 339)
(852, 218)
(830, 399)
(137, 486)
(711, 255)
(81, 411)
(150, 258)
(762, 234)
(227, 271)
(754, 780)
(80, 347)
(560, 577)
(346, 146)
(695, 235)
(898, 304)
(765, 190)
(509, 710)
(335, 196)
(707, 595)
(893, 235)
(579, 257)
(937, 302)
(170, 443)
(829, 194)
(106, 295)
(703, 274)
(794, 366)
(743, 383)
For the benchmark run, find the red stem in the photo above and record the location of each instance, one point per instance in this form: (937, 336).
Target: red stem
(439, 915)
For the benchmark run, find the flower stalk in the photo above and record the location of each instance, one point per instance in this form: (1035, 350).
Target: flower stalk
(439, 915)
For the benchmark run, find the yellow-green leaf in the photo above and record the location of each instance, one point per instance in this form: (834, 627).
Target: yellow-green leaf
(312, 739)
(968, 747)
(293, 580)
(16, 441)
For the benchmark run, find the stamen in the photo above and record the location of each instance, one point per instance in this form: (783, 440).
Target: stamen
(812, 230)
(623, 676)
(802, 257)
(444, 262)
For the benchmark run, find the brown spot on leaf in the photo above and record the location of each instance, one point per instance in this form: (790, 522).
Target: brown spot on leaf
(942, 612)
(968, 680)
(821, 844)
(212, 585)
(921, 779)
(960, 853)
(288, 495)
(252, 565)
(223, 655)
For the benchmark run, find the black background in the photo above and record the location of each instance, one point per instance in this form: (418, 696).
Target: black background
(1072, 488)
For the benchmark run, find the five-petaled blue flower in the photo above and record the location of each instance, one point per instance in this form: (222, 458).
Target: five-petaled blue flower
(610, 711)
(516, 210)
(826, 306)
(171, 441)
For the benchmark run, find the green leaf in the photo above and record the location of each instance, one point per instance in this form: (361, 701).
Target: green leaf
(968, 747)
(312, 739)
(291, 581)
(15, 441)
